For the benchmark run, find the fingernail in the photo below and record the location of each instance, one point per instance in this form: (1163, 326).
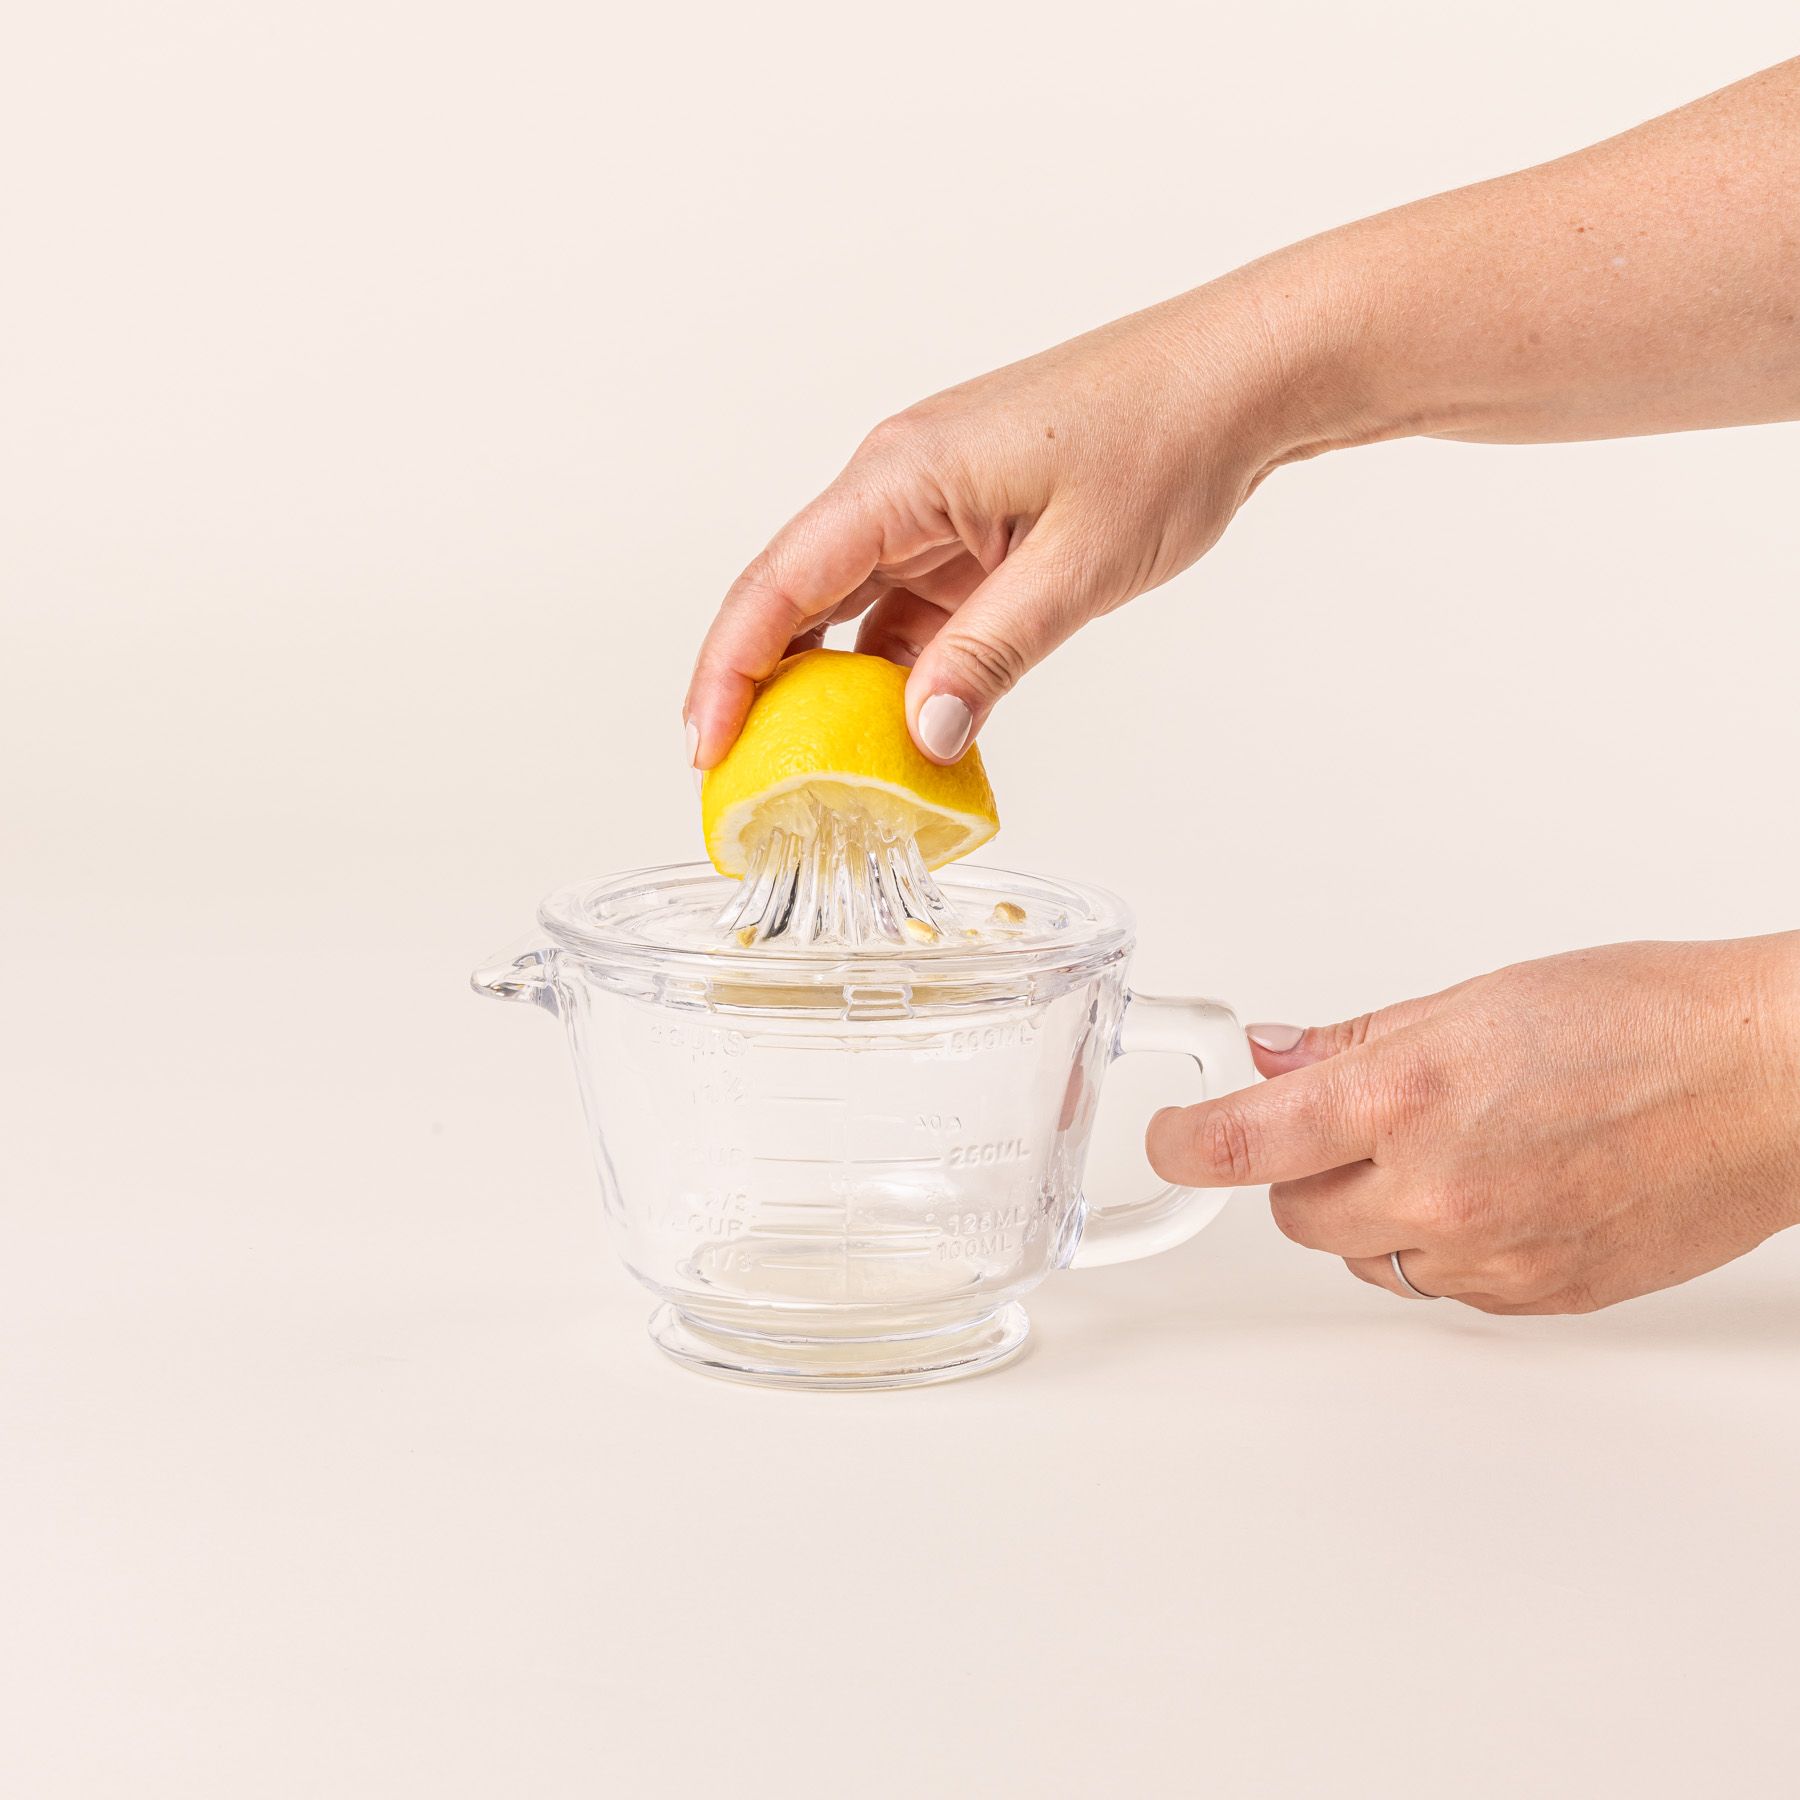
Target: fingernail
(1279, 1038)
(693, 742)
(944, 723)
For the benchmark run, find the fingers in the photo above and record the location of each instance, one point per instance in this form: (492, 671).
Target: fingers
(1029, 604)
(1276, 1049)
(1378, 1271)
(899, 626)
(1362, 1214)
(812, 566)
(1432, 1276)
(1341, 1212)
(1496, 1286)
(1299, 1124)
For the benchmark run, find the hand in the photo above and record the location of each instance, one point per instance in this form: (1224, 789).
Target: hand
(1643, 285)
(1549, 1139)
(974, 532)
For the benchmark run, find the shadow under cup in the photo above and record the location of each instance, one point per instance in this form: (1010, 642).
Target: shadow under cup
(845, 1169)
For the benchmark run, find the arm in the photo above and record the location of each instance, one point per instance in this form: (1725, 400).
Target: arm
(1651, 283)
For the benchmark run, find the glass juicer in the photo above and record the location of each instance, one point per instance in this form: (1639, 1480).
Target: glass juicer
(840, 1113)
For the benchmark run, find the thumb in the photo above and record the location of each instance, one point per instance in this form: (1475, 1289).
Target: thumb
(1041, 594)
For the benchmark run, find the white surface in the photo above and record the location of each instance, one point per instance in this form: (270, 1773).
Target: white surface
(389, 391)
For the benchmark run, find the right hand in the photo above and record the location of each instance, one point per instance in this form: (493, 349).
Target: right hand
(975, 531)
(979, 529)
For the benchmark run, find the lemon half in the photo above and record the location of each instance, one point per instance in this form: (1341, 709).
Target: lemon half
(828, 728)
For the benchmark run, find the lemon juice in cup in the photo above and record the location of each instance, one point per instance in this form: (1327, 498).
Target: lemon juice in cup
(841, 1102)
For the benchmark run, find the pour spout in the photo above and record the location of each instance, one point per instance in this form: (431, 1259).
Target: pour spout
(525, 972)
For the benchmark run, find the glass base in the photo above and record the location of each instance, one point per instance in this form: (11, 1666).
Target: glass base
(847, 1363)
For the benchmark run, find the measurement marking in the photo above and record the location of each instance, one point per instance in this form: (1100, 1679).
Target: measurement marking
(873, 1162)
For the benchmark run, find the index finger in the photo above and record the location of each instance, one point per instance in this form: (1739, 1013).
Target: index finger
(814, 562)
(1316, 1118)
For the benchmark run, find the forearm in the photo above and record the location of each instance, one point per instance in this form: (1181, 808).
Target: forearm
(1648, 284)
(1651, 283)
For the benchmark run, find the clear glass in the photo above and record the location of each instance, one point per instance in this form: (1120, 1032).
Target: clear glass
(846, 1168)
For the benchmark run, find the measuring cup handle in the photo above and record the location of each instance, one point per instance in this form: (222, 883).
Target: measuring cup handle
(1208, 1031)
(525, 972)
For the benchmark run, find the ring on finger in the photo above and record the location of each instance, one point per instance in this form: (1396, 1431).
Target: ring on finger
(1406, 1286)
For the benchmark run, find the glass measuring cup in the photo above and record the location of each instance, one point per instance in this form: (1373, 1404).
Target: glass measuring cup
(844, 1169)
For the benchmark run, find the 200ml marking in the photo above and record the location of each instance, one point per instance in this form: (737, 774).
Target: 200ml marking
(697, 1042)
(982, 1156)
(976, 1038)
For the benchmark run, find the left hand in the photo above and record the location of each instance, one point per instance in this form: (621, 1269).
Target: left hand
(1549, 1139)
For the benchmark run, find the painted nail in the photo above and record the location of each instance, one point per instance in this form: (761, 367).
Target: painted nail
(944, 723)
(1279, 1038)
(693, 742)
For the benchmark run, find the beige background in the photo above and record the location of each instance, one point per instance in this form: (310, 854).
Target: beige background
(386, 393)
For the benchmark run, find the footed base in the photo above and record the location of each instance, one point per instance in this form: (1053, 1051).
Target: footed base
(846, 1363)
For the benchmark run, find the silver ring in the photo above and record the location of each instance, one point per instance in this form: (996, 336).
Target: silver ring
(1400, 1276)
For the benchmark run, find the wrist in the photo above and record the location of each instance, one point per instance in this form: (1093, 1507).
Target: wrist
(1330, 372)
(1777, 1023)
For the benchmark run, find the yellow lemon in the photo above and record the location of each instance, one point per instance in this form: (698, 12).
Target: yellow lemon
(828, 730)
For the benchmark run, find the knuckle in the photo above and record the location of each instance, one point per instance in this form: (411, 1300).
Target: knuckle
(902, 433)
(1573, 1297)
(761, 586)
(1453, 1211)
(989, 665)
(1350, 1034)
(1412, 1086)
(1523, 1275)
(1224, 1145)
(1290, 1220)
